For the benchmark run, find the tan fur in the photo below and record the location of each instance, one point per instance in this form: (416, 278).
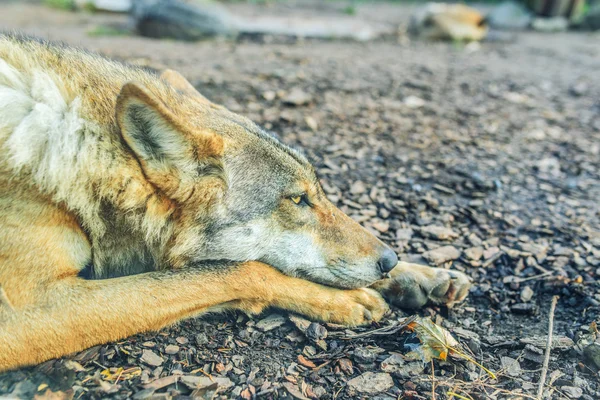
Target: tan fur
(107, 171)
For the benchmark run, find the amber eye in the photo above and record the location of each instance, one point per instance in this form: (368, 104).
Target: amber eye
(300, 200)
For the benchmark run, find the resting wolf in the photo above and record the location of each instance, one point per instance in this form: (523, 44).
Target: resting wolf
(129, 201)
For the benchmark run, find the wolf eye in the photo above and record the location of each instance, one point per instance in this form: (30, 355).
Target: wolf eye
(300, 200)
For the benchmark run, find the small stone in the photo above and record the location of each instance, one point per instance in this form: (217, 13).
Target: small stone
(182, 340)
(414, 102)
(491, 252)
(371, 383)
(382, 226)
(201, 339)
(592, 355)
(442, 254)
(511, 366)
(151, 358)
(438, 232)
(311, 123)
(270, 322)
(404, 234)
(358, 187)
(199, 382)
(526, 294)
(399, 367)
(316, 331)
(297, 97)
(269, 95)
(364, 355)
(572, 392)
(474, 253)
(172, 349)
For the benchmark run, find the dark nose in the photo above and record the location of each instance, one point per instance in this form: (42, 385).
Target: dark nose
(388, 261)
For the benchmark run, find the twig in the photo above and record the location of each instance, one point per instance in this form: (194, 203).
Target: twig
(432, 381)
(386, 330)
(548, 347)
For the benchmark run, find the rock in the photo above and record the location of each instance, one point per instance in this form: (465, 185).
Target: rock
(364, 355)
(270, 322)
(592, 355)
(358, 187)
(509, 15)
(151, 358)
(572, 392)
(201, 339)
(404, 234)
(297, 97)
(558, 342)
(556, 24)
(511, 366)
(579, 89)
(176, 19)
(398, 366)
(382, 226)
(438, 232)
(172, 349)
(526, 294)
(199, 382)
(294, 391)
(474, 253)
(442, 254)
(371, 383)
(414, 102)
(316, 331)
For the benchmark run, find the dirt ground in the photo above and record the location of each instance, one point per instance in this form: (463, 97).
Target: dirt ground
(498, 142)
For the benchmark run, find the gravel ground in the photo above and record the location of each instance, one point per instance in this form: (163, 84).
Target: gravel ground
(482, 158)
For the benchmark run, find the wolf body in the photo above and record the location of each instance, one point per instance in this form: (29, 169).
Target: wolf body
(129, 201)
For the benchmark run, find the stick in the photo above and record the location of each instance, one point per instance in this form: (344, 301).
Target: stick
(548, 347)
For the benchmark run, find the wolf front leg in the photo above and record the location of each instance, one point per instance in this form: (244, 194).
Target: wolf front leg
(414, 286)
(78, 313)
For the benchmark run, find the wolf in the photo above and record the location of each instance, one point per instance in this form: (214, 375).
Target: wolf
(129, 201)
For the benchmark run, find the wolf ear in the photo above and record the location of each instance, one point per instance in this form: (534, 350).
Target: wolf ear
(179, 83)
(167, 150)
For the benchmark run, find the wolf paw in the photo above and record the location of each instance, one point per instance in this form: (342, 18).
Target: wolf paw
(355, 307)
(414, 286)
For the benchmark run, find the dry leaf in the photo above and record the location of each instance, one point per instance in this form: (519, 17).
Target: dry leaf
(437, 342)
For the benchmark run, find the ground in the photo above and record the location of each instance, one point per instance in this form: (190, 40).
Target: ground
(498, 142)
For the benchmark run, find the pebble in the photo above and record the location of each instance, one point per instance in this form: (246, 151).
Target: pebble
(511, 366)
(151, 358)
(474, 253)
(399, 367)
(592, 355)
(371, 383)
(526, 294)
(572, 392)
(442, 254)
(172, 349)
(358, 187)
(270, 322)
(438, 232)
(297, 97)
(201, 339)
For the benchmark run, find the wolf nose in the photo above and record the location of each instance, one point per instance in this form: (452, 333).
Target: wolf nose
(388, 261)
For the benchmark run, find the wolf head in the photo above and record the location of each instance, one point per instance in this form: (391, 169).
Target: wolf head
(240, 194)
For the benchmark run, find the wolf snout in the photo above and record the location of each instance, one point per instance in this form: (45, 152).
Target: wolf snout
(387, 261)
